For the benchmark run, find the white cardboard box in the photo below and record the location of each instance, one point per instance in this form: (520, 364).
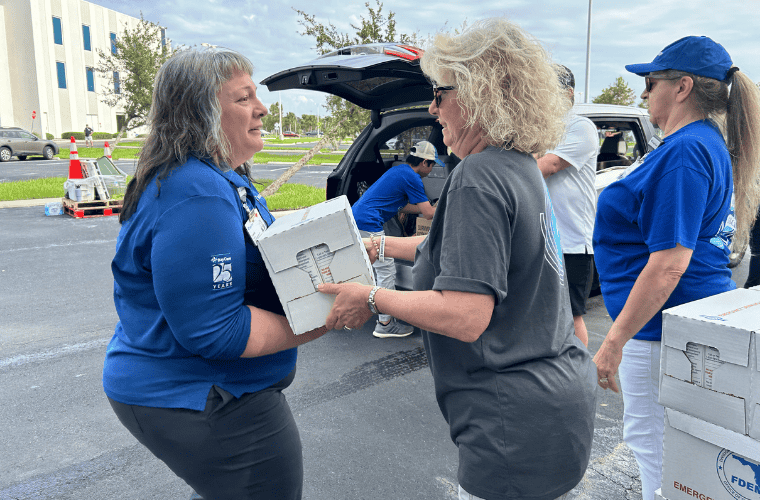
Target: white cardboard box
(319, 244)
(708, 365)
(702, 460)
(658, 495)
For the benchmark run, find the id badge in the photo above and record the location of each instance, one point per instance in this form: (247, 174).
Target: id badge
(255, 225)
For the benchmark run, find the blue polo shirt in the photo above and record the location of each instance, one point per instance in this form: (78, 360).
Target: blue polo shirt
(183, 274)
(681, 193)
(397, 187)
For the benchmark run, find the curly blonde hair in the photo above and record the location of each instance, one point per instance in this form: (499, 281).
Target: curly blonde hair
(506, 82)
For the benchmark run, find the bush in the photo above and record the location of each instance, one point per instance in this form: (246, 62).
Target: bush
(76, 135)
(102, 135)
(49, 136)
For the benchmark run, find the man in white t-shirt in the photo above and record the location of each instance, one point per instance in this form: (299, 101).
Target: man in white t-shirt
(570, 171)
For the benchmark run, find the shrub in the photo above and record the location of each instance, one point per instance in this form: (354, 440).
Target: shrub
(76, 135)
(49, 136)
(102, 135)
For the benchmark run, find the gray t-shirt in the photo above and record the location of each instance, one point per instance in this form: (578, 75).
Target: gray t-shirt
(520, 401)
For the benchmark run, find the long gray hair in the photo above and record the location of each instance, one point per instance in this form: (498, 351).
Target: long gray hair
(185, 117)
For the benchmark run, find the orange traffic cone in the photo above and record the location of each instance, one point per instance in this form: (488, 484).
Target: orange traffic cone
(107, 150)
(75, 167)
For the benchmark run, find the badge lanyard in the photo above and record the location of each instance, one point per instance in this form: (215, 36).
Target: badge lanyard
(255, 225)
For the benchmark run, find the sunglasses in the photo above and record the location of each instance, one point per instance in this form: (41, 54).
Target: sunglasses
(438, 94)
(649, 81)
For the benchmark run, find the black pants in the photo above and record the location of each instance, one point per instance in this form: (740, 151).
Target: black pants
(246, 448)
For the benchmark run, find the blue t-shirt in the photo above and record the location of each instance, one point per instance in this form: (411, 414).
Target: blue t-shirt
(396, 188)
(680, 193)
(183, 274)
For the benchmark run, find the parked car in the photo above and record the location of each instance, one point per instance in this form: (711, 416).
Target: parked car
(387, 80)
(288, 133)
(313, 133)
(18, 142)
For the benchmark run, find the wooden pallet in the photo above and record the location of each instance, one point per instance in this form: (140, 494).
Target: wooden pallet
(86, 209)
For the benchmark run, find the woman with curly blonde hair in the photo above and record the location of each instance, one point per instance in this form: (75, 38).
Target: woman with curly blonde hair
(511, 378)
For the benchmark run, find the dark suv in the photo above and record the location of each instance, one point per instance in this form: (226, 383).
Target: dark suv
(18, 142)
(387, 80)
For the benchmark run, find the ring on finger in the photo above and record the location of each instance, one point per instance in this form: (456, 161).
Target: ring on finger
(603, 380)
(347, 328)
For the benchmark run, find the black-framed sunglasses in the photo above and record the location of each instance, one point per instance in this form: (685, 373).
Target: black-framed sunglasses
(438, 93)
(649, 81)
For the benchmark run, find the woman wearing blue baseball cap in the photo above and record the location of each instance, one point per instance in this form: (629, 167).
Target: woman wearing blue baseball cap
(663, 230)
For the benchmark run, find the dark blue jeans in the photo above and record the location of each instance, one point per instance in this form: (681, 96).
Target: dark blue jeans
(753, 278)
(246, 448)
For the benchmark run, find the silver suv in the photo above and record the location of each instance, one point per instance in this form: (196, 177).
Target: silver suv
(18, 142)
(387, 80)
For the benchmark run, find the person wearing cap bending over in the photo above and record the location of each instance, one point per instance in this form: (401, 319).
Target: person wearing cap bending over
(400, 188)
(570, 172)
(663, 230)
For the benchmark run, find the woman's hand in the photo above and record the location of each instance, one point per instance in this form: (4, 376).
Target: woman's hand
(607, 360)
(371, 250)
(350, 309)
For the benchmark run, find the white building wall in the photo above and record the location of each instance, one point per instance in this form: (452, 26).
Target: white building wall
(28, 50)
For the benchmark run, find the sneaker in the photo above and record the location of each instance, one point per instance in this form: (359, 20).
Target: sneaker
(392, 329)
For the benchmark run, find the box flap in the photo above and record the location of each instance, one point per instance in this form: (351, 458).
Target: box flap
(722, 409)
(331, 230)
(714, 434)
(308, 215)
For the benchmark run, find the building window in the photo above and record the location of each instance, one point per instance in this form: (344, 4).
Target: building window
(57, 31)
(61, 67)
(86, 37)
(90, 80)
(116, 83)
(114, 50)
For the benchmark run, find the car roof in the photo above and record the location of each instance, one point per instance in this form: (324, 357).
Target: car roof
(590, 109)
(379, 76)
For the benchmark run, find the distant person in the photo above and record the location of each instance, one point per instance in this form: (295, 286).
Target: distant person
(202, 350)
(753, 277)
(87, 136)
(400, 188)
(664, 229)
(570, 174)
(514, 383)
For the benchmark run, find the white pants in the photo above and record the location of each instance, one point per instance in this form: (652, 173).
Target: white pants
(385, 273)
(463, 495)
(643, 416)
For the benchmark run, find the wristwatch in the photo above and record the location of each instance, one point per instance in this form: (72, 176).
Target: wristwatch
(371, 300)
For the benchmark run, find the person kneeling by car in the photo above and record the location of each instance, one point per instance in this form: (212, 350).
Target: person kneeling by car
(400, 188)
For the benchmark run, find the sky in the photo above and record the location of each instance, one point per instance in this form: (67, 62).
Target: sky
(622, 32)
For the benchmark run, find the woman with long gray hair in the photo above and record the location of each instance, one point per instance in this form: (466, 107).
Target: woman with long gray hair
(512, 380)
(202, 349)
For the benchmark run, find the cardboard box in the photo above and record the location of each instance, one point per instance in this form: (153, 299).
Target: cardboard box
(709, 360)
(658, 495)
(702, 460)
(422, 226)
(319, 244)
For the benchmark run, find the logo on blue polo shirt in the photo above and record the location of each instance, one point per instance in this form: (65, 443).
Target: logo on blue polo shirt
(222, 271)
(553, 247)
(739, 476)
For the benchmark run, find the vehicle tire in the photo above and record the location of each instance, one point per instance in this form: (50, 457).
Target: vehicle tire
(21, 157)
(48, 152)
(5, 154)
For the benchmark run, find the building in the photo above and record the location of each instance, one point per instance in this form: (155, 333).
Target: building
(49, 48)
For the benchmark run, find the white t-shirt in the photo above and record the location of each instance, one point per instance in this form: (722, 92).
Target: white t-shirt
(572, 189)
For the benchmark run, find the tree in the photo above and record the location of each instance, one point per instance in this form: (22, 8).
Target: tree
(374, 28)
(309, 122)
(617, 93)
(130, 70)
(346, 119)
(273, 118)
(290, 122)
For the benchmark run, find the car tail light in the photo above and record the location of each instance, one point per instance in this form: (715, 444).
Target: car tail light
(404, 51)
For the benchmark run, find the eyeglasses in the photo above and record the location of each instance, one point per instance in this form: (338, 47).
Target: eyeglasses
(648, 81)
(438, 93)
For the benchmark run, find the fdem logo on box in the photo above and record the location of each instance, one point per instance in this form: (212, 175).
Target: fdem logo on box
(739, 476)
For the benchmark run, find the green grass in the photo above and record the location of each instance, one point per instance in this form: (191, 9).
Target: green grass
(289, 196)
(118, 154)
(318, 159)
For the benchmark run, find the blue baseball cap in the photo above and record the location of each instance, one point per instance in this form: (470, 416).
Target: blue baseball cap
(698, 55)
